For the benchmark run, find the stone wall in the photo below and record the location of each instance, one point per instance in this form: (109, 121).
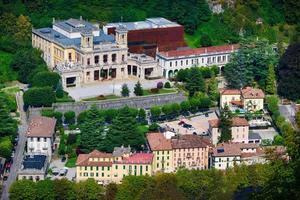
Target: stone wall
(145, 102)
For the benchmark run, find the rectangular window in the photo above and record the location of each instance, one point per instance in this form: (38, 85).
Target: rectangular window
(124, 167)
(105, 58)
(116, 166)
(97, 168)
(170, 64)
(97, 174)
(88, 61)
(102, 174)
(108, 168)
(96, 59)
(70, 56)
(141, 170)
(146, 167)
(38, 139)
(114, 57)
(91, 168)
(123, 58)
(102, 168)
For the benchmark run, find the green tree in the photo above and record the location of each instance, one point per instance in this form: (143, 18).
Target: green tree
(110, 191)
(153, 127)
(142, 114)
(45, 190)
(5, 147)
(205, 41)
(212, 89)
(250, 64)
(59, 91)
(23, 30)
(124, 131)
(297, 118)
(138, 90)
(195, 82)
(167, 84)
(64, 189)
(278, 140)
(167, 109)
(125, 91)
(23, 189)
(38, 97)
(92, 134)
(288, 69)
(181, 75)
(225, 125)
(8, 126)
(88, 190)
(271, 81)
(69, 117)
(155, 111)
(185, 106)
(42, 79)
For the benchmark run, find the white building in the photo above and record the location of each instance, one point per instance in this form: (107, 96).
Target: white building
(239, 130)
(227, 155)
(40, 135)
(172, 61)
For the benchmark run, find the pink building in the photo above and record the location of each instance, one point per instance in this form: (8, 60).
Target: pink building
(190, 151)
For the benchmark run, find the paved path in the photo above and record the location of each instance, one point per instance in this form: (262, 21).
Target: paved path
(19, 148)
(288, 112)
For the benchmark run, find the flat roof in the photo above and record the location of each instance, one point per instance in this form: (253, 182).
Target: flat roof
(75, 25)
(34, 162)
(149, 23)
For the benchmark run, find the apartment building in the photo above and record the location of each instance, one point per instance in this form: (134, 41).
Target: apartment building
(226, 155)
(40, 135)
(174, 60)
(249, 99)
(106, 168)
(162, 152)
(82, 53)
(190, 152)
(239, 130)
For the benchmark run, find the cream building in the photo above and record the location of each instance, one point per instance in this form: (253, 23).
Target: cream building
(239, 130)
(106, 168)
(190, 152)
(82, 53)
(162, 152)
(227, 155)
(249, 99)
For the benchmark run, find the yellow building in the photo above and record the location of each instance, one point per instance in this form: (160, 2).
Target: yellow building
(105, 168)
(162, 151)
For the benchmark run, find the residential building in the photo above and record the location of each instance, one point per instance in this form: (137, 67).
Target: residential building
(239, 130)
(162, 152)
(106, 168)
(190, 151)
(40, 135)
(226, 155)
(82, 53)
(248, 99)
(174, 60)
(151, 35)
(34, 167)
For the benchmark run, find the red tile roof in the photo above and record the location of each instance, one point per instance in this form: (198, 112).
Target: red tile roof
(189, 141)
(236, 121)
(83, 159)
(252, 93)
(138, 158)
(199, 51)
(158, 142)
(230, 92)
(41, 127)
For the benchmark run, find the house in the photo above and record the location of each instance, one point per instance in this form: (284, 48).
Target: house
(82, 53)
(190, 151)
(162, 152)
(239, 130)
(40, 135)
(151, 35)
(106, 168)
(174, 60)
(226, 155)
(248, 99)
(34, 167)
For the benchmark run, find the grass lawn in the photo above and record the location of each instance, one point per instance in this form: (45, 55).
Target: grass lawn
(161, 91)
(6, 73)
(65, 98)
(101, 97)
(71, 163)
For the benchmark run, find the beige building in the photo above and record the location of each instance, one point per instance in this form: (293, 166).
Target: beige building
(190, 152)
(82, 53)
(249, 99)
(227, 155)
(162, 152)
(106, 168)
(239, 130)
(34, 167)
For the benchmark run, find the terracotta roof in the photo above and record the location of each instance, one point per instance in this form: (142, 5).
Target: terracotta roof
(233, 149)
(83, 159)
(41, 127)
(189, 141)
(158, 142)
(230, 92)
(138, 158)
(252, 93)
(199, 51)
(236, 121)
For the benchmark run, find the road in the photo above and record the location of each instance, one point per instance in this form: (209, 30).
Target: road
(17, 160)
(288, 112)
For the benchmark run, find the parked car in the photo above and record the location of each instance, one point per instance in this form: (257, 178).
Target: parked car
(181, 123)
(63, 159)
(55, 171)
(188, 126)
(206, 114)
(194, 133)
(63, 172)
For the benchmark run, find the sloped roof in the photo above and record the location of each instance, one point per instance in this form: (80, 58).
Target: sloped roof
(252, 93)
(158, 142)
(138, 158)
(230, 92)
(236, 121)
(234, 149)
(83, 159)
(189, 141)
(40, 126)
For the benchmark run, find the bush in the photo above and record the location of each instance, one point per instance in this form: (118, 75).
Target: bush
(153, 127)
(71, 139)
(45, 78)
(69, 117)
(154, 90)
(185, 106)
(159, 85)
(167, 84)
(38, 97)
(155, 111)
